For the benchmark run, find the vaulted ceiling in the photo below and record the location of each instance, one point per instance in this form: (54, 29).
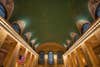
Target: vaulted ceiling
(51, 20)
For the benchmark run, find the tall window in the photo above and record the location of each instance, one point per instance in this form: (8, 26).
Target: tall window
(98, 11)
(59, 58)
(50, 58)
(16, 28)
(85, 27)
(41, 58)
(2, 11)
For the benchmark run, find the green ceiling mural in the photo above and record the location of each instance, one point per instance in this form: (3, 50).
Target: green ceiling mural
(51, 20)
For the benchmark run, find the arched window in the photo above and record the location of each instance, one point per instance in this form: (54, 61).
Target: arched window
(85, 27)
(16, 28)
(97, 13)
(59, 58)
(41, 58)
(50, 58)
(69, 43)
(76, 38)
(2, 11)
(25, 38)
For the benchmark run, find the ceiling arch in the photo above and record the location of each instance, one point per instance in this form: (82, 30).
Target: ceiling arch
(50, 46)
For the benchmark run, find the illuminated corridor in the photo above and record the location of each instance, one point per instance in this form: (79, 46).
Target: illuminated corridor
(49, 33)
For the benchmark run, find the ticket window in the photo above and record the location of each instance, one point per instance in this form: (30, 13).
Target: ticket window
(6, 50)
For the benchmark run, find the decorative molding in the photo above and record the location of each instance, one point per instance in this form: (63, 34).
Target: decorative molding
(15, 35)
(84, 37)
